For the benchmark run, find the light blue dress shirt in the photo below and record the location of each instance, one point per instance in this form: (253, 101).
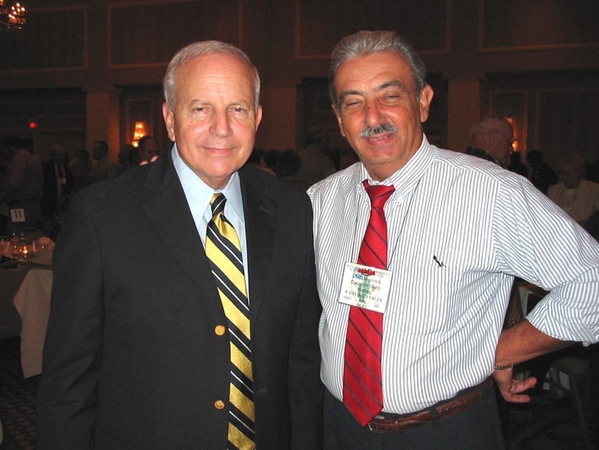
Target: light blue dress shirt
(199, 194)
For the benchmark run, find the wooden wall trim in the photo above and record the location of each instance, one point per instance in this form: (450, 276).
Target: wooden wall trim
(517, 27)
(29, 43)
(417, 24)
(175, 37)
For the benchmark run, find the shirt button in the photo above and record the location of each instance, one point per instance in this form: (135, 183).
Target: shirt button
(219, 404)
(220, 330)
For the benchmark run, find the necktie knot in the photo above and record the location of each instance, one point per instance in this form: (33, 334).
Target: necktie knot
(217, 203)
(378, 194)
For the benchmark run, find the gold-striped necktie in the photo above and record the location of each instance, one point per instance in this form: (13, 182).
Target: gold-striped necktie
(224, 252)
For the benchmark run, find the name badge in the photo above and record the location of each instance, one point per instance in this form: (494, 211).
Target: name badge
(17, 215)
(365, 287)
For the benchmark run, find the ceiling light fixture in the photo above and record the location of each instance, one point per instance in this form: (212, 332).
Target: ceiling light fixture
(12, 15)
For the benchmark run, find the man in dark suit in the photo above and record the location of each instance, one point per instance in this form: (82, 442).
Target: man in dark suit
(137, 354)
(57, 187)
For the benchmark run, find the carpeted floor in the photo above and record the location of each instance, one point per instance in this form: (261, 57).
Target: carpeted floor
(544, 424)
(17, 399)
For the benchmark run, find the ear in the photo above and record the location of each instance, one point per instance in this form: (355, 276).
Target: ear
(425, 102)
(258, 117)
(339, 121)
(169, 121)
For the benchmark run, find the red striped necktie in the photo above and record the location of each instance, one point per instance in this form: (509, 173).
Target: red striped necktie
(362, 380)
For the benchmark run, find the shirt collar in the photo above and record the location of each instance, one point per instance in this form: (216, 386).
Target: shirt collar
(199, 193)
(406, 178)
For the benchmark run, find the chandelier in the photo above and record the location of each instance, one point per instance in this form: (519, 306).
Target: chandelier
(12, 15)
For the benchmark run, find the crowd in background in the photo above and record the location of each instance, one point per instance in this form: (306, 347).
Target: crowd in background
(40, 191)
(572, 184)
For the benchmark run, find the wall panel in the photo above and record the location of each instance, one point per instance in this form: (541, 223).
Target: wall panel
(320, 25)
(53, 38)
(567, 122)
(517, 24)
(149, 33)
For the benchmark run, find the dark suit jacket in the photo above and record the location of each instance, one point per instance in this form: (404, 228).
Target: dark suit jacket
(51, 191)
(132, 359)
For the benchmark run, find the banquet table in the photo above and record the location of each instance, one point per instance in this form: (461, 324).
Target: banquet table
(32, 301)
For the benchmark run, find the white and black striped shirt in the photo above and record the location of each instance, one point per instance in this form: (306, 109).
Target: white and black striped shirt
(460, 228)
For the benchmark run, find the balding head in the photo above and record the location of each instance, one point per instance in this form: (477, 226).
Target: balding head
(495, 135)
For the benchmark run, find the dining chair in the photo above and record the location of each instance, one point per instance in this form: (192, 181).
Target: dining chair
(569, 373)
(570, 376)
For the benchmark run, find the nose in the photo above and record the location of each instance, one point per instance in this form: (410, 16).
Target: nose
(372, 114)
(220, 124)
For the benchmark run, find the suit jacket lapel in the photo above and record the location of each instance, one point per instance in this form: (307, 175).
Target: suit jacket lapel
(260, 213)
(167, 210)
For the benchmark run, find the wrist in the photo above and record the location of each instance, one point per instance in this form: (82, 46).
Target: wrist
(503, 368)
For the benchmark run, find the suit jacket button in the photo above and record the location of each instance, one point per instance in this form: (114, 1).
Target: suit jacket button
(219, 404)
(220, 330)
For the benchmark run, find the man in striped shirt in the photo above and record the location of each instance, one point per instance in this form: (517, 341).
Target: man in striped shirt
(459, 229)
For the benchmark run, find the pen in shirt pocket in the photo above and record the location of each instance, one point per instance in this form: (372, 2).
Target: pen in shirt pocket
(438, 262)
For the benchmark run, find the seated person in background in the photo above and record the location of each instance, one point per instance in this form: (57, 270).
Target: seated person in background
(541, 174)
(80, 168)
(128, 157)
(574, 194)
(315, 164)
(257, 159)
(270, 158)
(23, 186)
(102, 168)
(516, 165)
(287, 167)
(148, 149)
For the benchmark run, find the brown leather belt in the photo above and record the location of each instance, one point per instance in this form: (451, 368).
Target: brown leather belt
(450, 408)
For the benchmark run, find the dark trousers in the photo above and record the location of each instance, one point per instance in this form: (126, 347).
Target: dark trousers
(478, 428)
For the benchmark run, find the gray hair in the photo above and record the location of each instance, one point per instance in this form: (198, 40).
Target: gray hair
(365, 43)
(203, 48)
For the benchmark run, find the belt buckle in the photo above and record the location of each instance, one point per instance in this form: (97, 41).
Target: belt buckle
(369, 424)
(374, 430)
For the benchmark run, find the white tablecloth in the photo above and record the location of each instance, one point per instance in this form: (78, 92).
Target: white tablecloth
(10, 280)
(32, 301)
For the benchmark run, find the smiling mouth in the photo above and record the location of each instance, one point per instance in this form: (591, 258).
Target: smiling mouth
(218, 149)
(379, 139)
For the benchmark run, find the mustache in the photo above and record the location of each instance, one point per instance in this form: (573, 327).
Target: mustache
(382, 128)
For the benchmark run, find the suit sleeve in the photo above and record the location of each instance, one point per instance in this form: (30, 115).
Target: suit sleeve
(305, 387)
(66, 403)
